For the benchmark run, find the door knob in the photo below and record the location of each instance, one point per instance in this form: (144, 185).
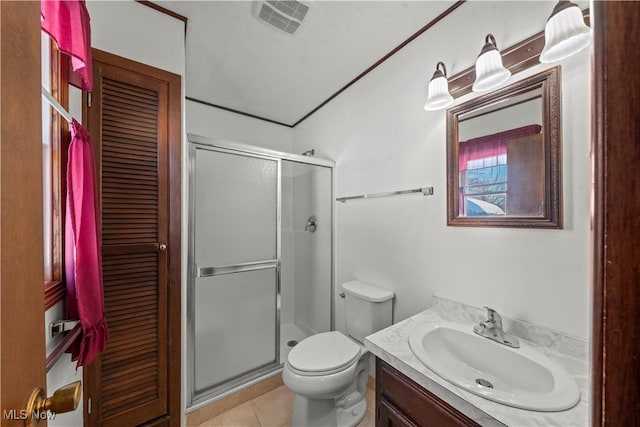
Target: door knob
(65, 399)
(162, 247)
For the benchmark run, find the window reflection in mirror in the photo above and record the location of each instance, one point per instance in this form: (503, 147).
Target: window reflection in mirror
(501, 159)
(503, 153)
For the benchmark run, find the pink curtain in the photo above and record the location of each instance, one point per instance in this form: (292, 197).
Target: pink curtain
(491, 145)
(67, 22)
(83, 258)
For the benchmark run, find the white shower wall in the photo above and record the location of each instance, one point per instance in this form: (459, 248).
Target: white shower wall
(303, 242)
(313, 274)
(306, 257)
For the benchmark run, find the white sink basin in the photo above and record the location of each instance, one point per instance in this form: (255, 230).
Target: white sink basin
(520, 377)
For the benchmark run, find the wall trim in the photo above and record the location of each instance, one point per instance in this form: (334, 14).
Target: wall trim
(395, 50)
(164, 10)
(242, 113)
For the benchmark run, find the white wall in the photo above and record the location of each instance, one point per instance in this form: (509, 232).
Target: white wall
(145, 35)
(221, 124)
(383, 140)
(137, 32)
(63, 372)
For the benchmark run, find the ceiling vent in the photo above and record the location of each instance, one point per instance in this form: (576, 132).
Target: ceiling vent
(286, 16)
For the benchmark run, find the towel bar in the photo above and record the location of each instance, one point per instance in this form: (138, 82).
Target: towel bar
(426, 191)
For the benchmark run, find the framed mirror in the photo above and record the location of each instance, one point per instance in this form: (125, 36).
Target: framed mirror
(504, 156)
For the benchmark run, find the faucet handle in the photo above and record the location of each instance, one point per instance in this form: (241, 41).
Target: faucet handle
(492, 315)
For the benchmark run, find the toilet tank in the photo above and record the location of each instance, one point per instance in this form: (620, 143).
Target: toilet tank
(367, 308)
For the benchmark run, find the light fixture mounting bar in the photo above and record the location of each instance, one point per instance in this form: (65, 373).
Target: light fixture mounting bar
(515, 58)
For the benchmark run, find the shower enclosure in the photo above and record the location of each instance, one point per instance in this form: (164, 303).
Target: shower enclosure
(260, 262)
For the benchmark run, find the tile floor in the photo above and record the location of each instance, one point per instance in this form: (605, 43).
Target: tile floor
(273, 409)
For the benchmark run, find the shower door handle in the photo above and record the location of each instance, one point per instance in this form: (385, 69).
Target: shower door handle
(237, 268)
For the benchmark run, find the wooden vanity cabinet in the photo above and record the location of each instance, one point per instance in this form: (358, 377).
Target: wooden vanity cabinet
(401, 402)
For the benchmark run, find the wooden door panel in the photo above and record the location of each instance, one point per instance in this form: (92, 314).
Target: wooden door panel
(22, 303)
(139, 336)
(616, 202)
(131, 218)
(129, 383)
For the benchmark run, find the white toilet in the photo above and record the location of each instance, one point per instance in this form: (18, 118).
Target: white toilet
(328, 372)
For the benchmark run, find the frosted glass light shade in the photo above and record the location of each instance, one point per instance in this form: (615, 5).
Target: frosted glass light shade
(438, 94)
(490, 73)
(565, 33)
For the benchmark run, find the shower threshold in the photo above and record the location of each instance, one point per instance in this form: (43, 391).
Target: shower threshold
(234, 385)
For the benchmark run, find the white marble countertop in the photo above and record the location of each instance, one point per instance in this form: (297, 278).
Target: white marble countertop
(392, 346)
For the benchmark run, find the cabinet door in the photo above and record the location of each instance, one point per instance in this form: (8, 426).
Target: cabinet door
(402, 402)
(390, 416)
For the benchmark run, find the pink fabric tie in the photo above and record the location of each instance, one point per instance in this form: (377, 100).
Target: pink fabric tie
(68, 23)
(83, 258)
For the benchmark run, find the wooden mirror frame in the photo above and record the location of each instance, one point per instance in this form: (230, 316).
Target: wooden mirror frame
(549, 82)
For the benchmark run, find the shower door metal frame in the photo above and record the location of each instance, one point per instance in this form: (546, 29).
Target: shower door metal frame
(194, 272)
(196, 142)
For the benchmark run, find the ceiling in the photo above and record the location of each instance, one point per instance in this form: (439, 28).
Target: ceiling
(238, 62)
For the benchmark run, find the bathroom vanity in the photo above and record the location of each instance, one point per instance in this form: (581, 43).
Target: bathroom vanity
(408, 393)
(400, 401)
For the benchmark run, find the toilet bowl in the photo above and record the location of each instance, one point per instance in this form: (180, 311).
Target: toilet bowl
(328, 372)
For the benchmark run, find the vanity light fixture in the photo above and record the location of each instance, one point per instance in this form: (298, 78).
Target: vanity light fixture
(565, 33)
(490, 73)
(438, 94)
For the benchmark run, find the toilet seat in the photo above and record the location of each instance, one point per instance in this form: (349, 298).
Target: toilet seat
(323, 354)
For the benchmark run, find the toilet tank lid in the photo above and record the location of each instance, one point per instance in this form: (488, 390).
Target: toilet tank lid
(367, 291)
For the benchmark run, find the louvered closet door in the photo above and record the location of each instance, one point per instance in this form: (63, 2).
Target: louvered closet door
(129, 382)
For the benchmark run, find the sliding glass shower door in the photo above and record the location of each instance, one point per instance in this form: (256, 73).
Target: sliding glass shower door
(234, 290)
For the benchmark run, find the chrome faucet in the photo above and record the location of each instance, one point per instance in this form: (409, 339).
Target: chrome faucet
(492, 329)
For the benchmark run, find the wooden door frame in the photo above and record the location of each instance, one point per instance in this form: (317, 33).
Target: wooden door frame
(174, 188)
(616, 252)
(22, 341)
